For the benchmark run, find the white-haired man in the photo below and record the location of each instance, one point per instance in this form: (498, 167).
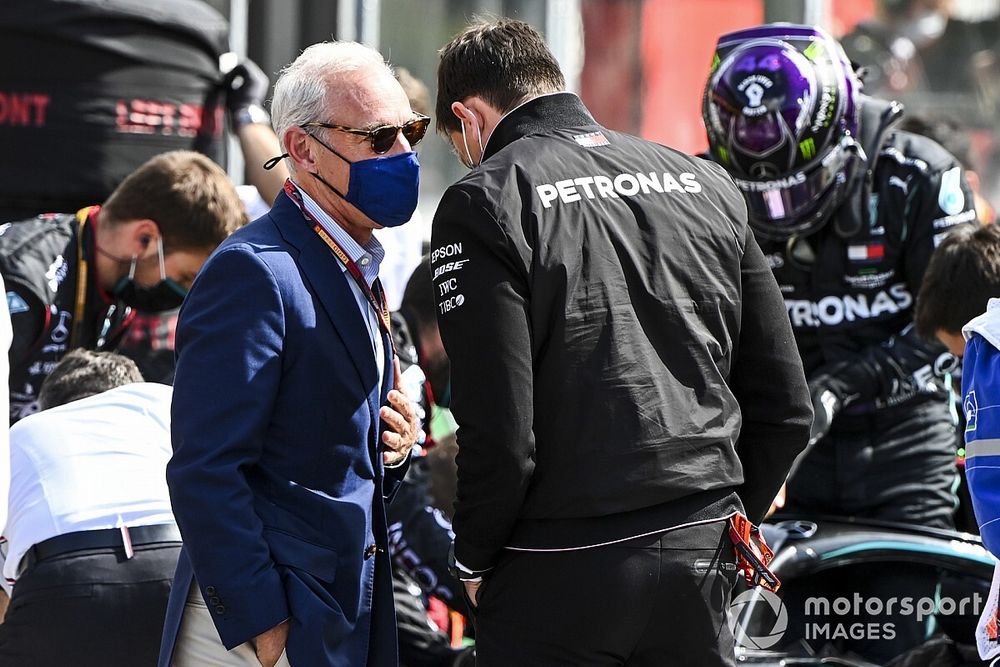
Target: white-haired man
(287, 439)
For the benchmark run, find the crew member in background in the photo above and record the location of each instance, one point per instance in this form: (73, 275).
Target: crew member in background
(74, 279)
(420, 535)
(608, 315)
(419, 310)
(91, 544)
(149, 341)
(847, 212)
(955, 139)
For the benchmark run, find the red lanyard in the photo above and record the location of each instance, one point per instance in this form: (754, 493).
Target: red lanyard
(375, 299)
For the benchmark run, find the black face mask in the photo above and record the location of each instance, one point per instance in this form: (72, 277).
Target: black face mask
(164, 295)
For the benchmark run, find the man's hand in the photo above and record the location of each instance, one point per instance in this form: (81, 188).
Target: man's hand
(472, 590)
(270, 644)
(401, 420)
(246, 86)
(778, 502)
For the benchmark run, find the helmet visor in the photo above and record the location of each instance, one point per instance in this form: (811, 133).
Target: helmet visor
(786, 204)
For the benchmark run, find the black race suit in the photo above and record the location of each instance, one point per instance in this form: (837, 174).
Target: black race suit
(39, 261)
(890, 453)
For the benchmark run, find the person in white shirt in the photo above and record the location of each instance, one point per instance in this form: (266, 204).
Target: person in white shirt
(90, 541)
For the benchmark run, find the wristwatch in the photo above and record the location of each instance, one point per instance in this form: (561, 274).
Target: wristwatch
(250, 114)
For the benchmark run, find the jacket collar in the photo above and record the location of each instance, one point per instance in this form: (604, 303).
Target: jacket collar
(539, 114)
(330, 287)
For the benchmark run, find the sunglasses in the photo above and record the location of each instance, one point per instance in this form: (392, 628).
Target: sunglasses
(383, 137)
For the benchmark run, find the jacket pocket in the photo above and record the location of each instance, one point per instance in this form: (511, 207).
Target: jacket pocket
(293, 551)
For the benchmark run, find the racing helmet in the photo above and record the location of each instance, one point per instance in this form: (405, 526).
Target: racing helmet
(781, 111)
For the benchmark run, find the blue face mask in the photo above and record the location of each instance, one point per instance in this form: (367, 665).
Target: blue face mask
(383, 188)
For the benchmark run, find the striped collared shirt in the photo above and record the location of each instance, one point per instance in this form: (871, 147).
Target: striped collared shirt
(368, 259)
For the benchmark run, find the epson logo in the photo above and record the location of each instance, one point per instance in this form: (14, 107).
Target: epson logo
(449, 250)
(764, 186)
(624, 185)
(834, 310)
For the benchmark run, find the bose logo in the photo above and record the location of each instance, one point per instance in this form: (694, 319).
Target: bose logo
(449, 267)
(834, 310)
(625, 185)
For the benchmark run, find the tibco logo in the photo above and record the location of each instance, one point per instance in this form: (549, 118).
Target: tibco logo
(834, 310)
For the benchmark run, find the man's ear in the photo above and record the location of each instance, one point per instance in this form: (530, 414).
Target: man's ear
(461, 112)
(297, 142)
(472, 110)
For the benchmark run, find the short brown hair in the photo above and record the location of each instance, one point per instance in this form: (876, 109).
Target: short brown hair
(502, 61)
(189, 197)
(962, 276)
(82, 373)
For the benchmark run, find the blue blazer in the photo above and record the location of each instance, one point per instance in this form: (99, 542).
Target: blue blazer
(276, 479)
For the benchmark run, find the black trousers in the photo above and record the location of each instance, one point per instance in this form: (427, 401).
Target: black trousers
(90, 608)
(893, 465)
(661, 600)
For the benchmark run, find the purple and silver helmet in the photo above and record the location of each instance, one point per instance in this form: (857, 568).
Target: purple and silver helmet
(781, 112)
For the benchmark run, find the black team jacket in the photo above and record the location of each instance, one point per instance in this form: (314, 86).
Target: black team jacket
(621, 357)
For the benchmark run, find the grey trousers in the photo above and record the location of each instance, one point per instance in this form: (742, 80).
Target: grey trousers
(198, 643)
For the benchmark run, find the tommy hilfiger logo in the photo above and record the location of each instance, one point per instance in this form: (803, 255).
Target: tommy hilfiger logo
(868, 252)
(591, 139)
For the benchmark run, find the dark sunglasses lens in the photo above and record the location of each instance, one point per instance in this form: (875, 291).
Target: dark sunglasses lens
(414, 131)
(383, 138)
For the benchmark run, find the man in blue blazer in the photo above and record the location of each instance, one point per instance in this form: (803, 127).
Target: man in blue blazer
(287, 439)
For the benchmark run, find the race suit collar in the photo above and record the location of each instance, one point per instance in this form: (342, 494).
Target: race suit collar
(89, 241)
(539, 114)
